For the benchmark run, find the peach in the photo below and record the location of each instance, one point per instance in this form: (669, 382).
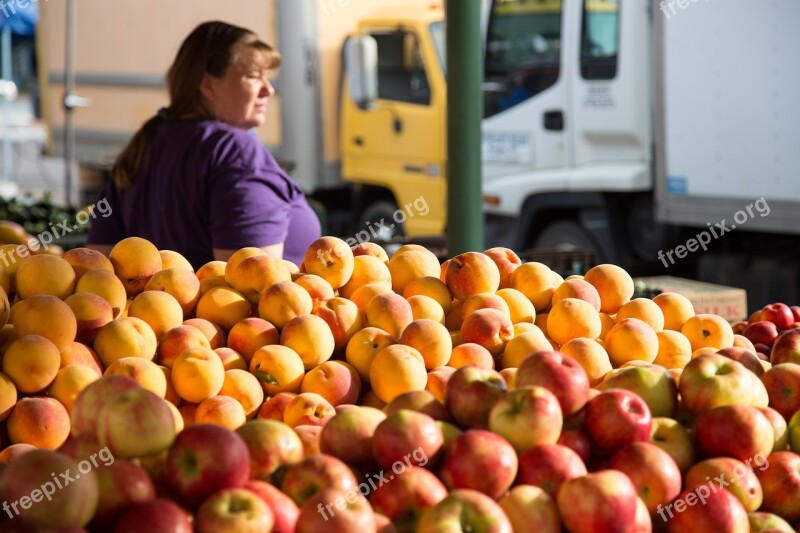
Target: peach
(308, 409)
(470, 353)
(740, 341)
(488, 327)
(231, 359)
(125, 337)
(577, 288)
(251, 334)
(173, 259)
(426, 307)
(471, 273)
(336, 381)
(198, 374)
(614, 285)
(214, 334)
(645, 310)
(92, 312)
(278, 369)
(160, 310)
(431, 339)
(212, 269)
(571, 318)
(319, 289)
(45, 274)
(13, 452)
(82, 260)
(362, 348)
(707, 330)
(452, 318)
(536, 282)
(524, 327)
(437, 381)
(38, 421)
(106, 285)
(181, 284)
(519, 306)
(331, 259)
(178, 340)
(432, 287)
(146, 373)
(236, 258)
(69, 382)
(397, 369)
(256, 274)
(362, 296)
(507, 262)
(676, 308)
(220, 410)
(8, 396)
(273, 408)
(343, 319)
(13, 233)
(284, 301)
(485, 300)
(47, 316)
(244, 387)
(80, 354)
(389, 312)
(370, 248)
(311, 337)
(592, 357)
(607, 323)
(171, 395)
(32, 363)
(223, 306)
(631, 339)
(409, 264)
(522, 346)
(366, 269)
(135, 260)
(674, 350)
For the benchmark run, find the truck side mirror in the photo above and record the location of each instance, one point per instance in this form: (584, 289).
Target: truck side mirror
(361, 60)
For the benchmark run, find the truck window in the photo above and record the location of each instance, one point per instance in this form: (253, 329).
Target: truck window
(523, 51)
(401, 71)
(600, 39)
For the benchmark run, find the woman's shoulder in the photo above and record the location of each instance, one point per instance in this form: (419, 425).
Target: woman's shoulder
(233, 147)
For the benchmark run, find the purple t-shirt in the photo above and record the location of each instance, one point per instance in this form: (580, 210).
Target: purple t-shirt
(208, 185)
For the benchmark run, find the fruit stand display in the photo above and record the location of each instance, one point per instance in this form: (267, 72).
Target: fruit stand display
(359, 393)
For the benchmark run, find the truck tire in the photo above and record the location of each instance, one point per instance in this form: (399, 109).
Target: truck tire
(378, 221)
(565, 235)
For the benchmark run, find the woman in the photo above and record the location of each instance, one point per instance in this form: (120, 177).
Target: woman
(193, 179)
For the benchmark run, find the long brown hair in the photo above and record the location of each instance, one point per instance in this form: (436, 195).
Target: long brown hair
(210, 48)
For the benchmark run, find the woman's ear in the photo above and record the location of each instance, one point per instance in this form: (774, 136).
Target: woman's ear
(208, 87)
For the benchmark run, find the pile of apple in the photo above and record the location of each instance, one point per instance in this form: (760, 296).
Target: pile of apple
(360, 393)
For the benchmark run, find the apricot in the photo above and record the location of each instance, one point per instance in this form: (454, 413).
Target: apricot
(212, 269)
(577, 288)
(452, 319)
(214, 334)
(607, 323)
(237, 257)
(366, 269)
(160, 310)
(198, 374)
(437, 381)
(363, 346)
(92, 312)
(524, 327)
(220, 410)
(488, 327)
(520, 307)
(507, 262)
(308, 409)
(32, 363)
(336, 381)
(319, 289)
(231, 359)
(471, 273)
(331, 259)
(8, 396)
(631, 339)
(181, 284)
(273, 408)
(47, 316)
(485, 300)
(410, 264)
(5, 307)
(80, 354)
(82, 260)
(470, 353)
(536, 282)
(135, 260)
(38, 421)
(251, 334)
(370, 248)
(676, 308)
(343, 319)
(613, 284)
(311, 338)
(278, 369)
(13, 452)
(256, 274)
(45, 274)
(571, 318)
(397, 369)
(674, 350)
(69, 382)
(389, 312)
(144, 372)
(592, 357)
(171, 395)
(284, 301)
(707, 330)
(740, 341)
(431, 339)
(522, 346)
(243, 387)
(173, 259)
(432, 287)
(125, 337)
(362, 296)
(706, 350)
(426, 307)
(177, 340)
(223, 306)
(645, 310)
(106, 285)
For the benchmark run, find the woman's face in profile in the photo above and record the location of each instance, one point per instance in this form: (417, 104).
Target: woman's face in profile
(239, 98)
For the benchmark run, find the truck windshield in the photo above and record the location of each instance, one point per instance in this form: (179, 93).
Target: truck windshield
(437, 34)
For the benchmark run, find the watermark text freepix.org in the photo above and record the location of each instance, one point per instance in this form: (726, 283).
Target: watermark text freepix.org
(668, 6)
(704, 238)
(9, 7)
(61, 480)
(46, 238)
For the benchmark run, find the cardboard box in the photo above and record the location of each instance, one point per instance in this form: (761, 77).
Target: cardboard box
(728, 302)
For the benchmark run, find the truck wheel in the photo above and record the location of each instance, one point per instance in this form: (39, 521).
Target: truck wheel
(565, 235)
(379, 223)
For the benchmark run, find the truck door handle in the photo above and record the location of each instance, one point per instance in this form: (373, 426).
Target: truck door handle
(554, 120)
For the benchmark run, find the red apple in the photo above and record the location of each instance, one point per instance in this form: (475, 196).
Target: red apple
(90, 400)
(527, 417)
(782, 382)
(694, 512)
(548, 466)
(233, 511)
(480, 460)
(152, 516)
(465, 510)
(135, 423)
(39, 503)
(284, 510)
(407, 437)
(673, 438)
(795, 312)
(315, 474)
(204, 459)
(779, 427)
(653, 383)
(336, 510)
(470, 394)
(780, 480)
(738, 431)
(729, 474)
(270, 445)
(763, 351)
(652, 471)
(121, 483)
(573, 436)
(405, 498)
(602, 501)
(422, 401)
(750, 360)
(755, 316)
(739, 327)
(348, 435)
(763, 331)
(642, 522)
(779, 314)
(617, 417)
(786, 348)
(530, 508)
(711, 380)
(761, 522)
(560, 374)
